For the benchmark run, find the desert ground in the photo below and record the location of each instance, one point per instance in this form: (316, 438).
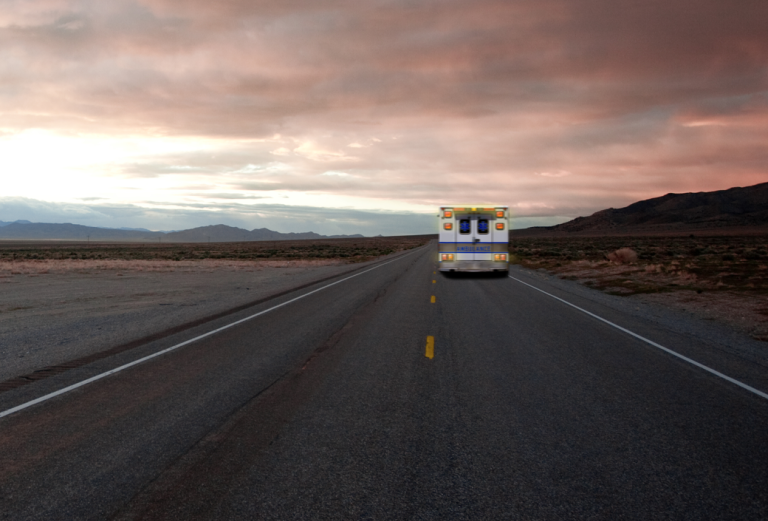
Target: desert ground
(353, 250)
(64, 301)
(714, 276)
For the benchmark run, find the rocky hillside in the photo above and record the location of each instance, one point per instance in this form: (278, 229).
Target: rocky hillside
(736, 207)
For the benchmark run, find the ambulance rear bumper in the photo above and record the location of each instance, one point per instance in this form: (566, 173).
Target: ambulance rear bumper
(473, 265)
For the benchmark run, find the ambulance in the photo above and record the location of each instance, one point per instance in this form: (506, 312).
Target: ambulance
(474, 238)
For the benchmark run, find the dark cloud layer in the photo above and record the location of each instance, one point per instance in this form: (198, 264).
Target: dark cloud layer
(552, 106)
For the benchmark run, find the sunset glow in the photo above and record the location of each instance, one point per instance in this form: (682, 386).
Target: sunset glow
(341, 116)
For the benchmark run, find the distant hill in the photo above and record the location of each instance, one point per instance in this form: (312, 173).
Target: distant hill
(217, 233)
(223, 233)
(4, 223)
(43, 231)
(736, 207)
(130, 229)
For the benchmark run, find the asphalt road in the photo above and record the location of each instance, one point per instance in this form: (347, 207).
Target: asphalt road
(329, 408)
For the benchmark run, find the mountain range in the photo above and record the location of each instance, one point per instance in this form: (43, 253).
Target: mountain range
(745, 207)
(218, 233)
(722, 210)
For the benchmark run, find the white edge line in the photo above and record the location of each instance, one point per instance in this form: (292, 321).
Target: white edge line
(654, 344)
(153, 355)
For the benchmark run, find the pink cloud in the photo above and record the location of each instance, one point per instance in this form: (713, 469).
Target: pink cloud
(491, 98)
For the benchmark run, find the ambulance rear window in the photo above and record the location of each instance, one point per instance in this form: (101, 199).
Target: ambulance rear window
(482, 226)
(464, 226)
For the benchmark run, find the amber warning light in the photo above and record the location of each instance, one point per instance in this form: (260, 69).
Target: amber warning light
(448, 226)
(448, 213)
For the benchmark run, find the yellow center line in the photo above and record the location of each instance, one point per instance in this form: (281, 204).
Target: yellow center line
(432, 300)
(434, 281)
(430, 347)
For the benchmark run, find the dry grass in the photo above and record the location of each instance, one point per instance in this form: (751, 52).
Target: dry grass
(20, 258)
(47, 266)
(653, 264)
(721, 277)
(623, 256)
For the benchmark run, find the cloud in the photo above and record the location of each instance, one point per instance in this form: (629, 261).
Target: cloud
(558, 173)
(419, 103)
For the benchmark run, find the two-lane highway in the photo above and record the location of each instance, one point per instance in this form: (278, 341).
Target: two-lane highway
(330, 407)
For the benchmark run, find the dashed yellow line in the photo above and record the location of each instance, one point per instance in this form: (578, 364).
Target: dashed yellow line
(430, 347)
(434, 281)
(432, 300)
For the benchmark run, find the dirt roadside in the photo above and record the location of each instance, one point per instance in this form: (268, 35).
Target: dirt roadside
(52, 312)
(719, 277)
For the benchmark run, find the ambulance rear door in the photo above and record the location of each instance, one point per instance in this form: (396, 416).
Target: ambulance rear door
(482, 224)
(465, 237)
(474, 237)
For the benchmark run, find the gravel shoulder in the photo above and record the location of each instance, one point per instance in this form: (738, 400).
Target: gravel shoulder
(51, 316)
(700, 318)
(714, 275)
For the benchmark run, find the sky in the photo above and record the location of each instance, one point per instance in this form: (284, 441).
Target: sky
(365, 116)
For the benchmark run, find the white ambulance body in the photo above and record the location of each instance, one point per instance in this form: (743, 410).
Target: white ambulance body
(474, 238)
